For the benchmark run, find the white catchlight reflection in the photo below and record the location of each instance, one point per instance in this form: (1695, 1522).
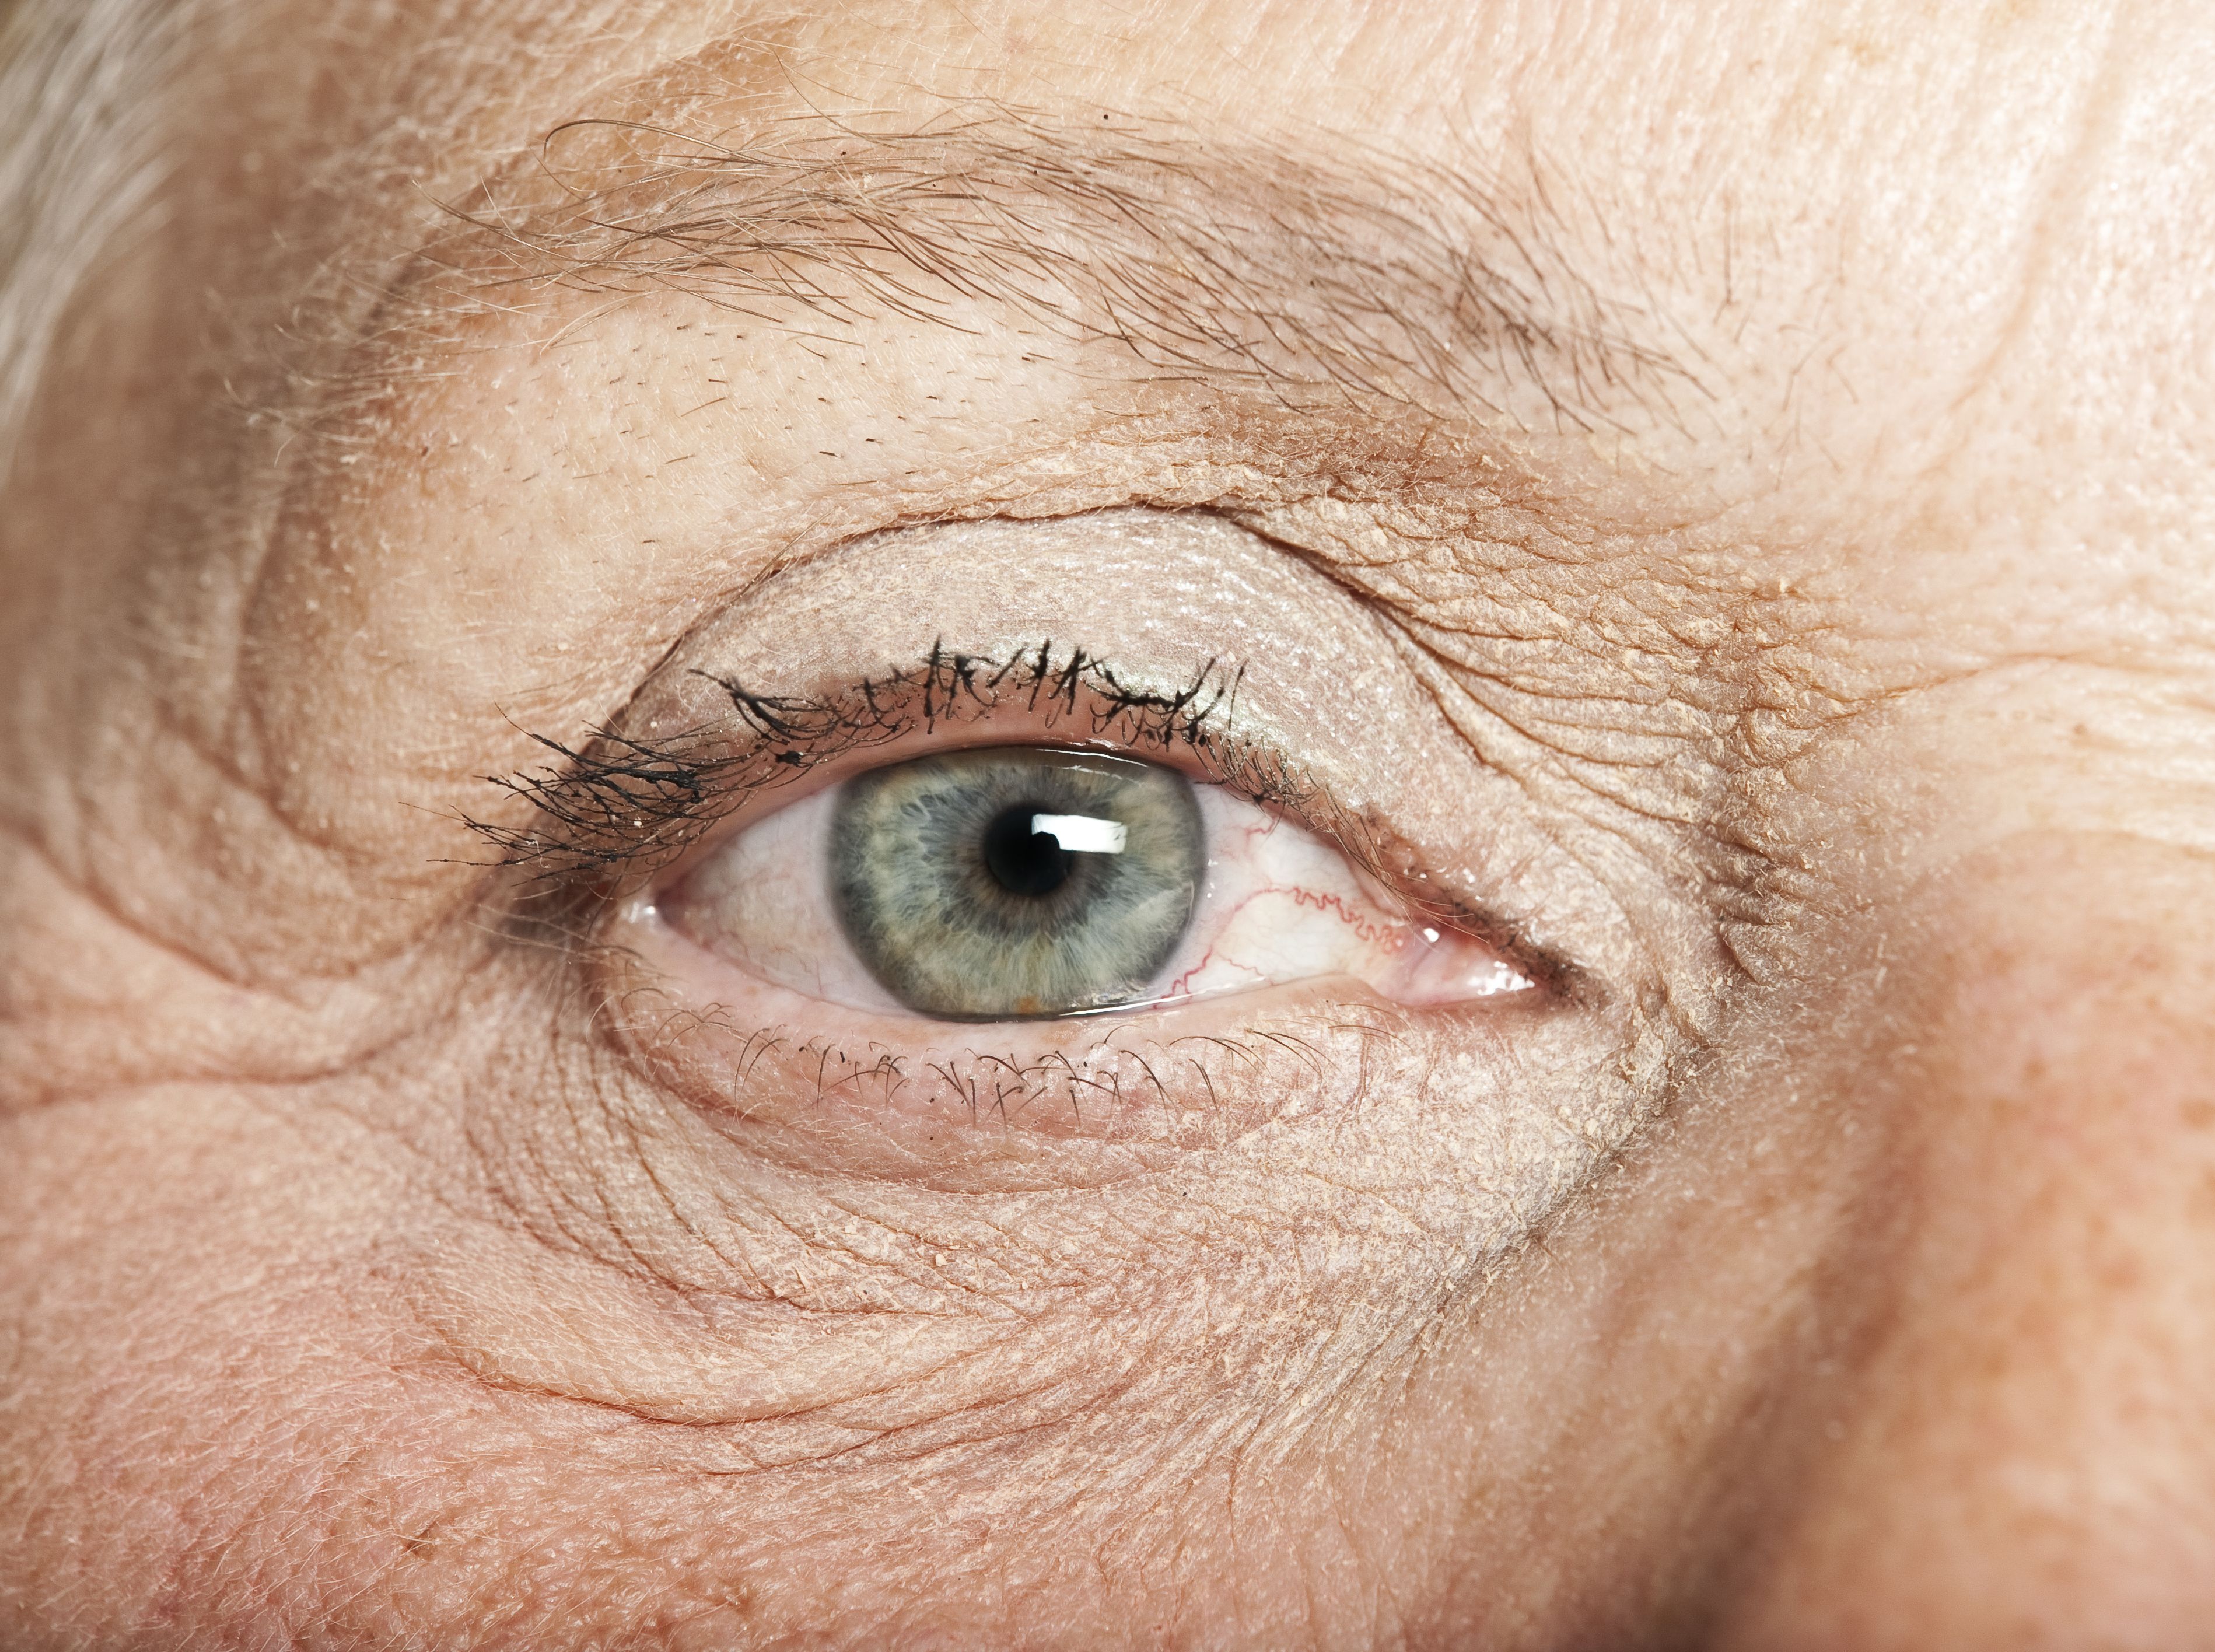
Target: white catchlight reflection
(1081, 834)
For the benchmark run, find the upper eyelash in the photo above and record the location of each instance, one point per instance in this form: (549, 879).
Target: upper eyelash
(622, 806)
(623, 803)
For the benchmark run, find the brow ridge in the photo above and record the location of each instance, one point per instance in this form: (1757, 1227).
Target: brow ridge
(1353, 277)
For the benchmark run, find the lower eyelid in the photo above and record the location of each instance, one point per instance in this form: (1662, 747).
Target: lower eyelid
(821, 1085)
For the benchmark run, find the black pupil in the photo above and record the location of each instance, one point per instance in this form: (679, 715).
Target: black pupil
(1023, 862)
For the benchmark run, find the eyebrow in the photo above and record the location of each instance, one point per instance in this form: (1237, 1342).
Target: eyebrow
(1358, 277)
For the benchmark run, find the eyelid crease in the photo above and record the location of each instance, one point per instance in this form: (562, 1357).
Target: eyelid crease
(622, 807)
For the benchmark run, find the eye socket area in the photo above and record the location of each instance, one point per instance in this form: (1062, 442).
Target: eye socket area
(1023, 883)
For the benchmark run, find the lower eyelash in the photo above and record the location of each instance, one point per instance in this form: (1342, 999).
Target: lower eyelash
(1111, 1080)
(982, 1084)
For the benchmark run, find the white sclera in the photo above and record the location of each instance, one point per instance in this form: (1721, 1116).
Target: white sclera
(1278, 906)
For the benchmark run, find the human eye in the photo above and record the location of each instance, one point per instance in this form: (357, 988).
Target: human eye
(1041, 882)
(1026, 882)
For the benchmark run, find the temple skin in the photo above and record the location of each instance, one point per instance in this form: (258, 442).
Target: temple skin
(1724, 488)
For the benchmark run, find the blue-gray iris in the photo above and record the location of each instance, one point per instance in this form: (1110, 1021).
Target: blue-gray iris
(1012, 882)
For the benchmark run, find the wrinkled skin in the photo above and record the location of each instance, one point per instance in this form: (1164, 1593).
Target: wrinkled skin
(1829, 688)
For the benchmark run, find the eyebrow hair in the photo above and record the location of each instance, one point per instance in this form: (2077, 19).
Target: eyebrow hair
(1358, 276)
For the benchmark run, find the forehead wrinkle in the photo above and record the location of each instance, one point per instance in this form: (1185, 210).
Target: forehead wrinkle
(1352, 279)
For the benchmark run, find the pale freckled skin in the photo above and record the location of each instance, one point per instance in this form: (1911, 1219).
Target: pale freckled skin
(1715, 497)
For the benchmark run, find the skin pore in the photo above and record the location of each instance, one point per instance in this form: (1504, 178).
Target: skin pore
(1717, 494)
